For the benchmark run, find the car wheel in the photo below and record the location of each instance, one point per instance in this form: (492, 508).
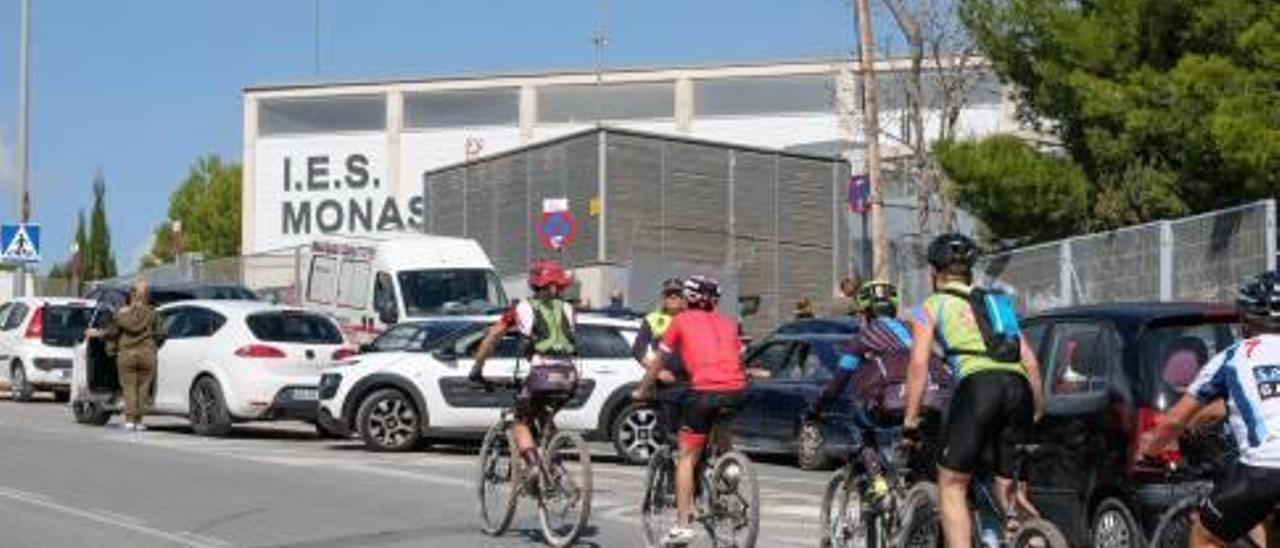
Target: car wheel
(1114, 526)
(635, 433)
(207, 411)
(389, 421)
(19, 388)
(811, 447)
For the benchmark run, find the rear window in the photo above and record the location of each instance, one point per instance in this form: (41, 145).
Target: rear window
(63, 324)
(1172, 354)
(294, 327)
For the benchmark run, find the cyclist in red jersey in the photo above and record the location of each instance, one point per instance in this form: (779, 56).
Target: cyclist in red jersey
(709, 345)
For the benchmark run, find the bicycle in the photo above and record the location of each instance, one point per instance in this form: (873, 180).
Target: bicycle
(1022, 525)
(561, 485)
(849, 520)
(726, 496)
(1174, 528)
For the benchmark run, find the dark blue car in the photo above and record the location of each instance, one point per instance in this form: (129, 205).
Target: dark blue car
(801, 357)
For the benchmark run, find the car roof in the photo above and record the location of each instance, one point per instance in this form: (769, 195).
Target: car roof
(74, 301)
(1142, 312)
(243, 307)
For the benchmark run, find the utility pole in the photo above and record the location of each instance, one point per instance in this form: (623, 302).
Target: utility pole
(601, 41)
(871, 126)
(316, 36)
(24, 130)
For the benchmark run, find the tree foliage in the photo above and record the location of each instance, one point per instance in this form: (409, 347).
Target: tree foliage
(1166, 106)
(97, 258)
(207, 204)
(1016, 189)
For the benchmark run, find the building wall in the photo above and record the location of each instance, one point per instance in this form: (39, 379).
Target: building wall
(349, 158)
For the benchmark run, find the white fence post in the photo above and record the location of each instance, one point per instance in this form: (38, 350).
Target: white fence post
(1166, 261)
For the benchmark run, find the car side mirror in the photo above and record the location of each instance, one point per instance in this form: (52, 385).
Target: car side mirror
(446, 354)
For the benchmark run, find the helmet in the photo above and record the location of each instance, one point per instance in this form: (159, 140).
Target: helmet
(878, 297)
(548, 274)
(1259, 300)
(672, 286)
(701, 292)
(953, 249)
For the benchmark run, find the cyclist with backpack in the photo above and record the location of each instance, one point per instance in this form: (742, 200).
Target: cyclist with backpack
(1247, 377)
(996, 375)
(546, 324)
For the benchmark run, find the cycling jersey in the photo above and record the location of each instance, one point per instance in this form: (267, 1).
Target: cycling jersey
(532, 318)
(958, 334)
(1248, 376)
(709, 345)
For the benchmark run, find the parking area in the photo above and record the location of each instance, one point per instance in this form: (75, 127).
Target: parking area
(277, 485)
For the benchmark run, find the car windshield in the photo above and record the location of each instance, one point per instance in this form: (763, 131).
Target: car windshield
(1172, 354)
(294, 327)
(63, 324)
(453, 291)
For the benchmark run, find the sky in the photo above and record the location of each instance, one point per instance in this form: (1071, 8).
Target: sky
(138, 89)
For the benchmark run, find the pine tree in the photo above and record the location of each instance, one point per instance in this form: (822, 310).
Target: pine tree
(100, 261)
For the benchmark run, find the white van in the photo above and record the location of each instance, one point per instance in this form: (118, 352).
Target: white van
(368, 283)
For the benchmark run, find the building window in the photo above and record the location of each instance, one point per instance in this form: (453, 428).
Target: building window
(462, 108)
(322, 114)
(757, 95)
(578, 103)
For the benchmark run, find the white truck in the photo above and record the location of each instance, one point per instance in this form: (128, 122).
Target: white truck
(368, 283)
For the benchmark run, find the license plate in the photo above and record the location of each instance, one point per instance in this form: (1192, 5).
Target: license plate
(306, 394)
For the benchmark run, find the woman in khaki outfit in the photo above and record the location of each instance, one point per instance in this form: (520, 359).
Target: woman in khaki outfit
(135, 336)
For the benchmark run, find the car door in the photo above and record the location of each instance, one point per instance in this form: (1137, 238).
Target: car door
(606, 364)
(1079, 356)
(4, 350)
(471, 406)
(758, 423)
(10, 336)
(174, 359)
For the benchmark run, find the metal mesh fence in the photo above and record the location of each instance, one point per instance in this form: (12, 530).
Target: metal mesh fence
(1200, 258)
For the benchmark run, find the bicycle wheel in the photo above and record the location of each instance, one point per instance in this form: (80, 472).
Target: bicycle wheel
(658, 509)
(564, 504)
(919, 527)
(1174, 528)
(734, 498)
(1039, 533)
(842, 518)
(496, 481)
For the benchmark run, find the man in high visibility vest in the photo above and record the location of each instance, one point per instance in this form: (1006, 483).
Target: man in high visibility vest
(669, 394)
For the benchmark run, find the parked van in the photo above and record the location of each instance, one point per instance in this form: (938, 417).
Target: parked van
(369, 283)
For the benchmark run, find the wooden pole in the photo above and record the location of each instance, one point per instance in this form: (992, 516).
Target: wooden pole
(871, 126)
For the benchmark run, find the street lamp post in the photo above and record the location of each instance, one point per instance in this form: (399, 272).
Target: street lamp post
(24, 118)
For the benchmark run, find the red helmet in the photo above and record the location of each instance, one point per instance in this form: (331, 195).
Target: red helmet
(548, 274)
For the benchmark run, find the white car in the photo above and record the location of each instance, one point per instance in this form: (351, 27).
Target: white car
(396, 395)
(36, 339)
(230, 361)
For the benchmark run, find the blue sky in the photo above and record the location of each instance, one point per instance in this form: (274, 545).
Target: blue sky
(140, 88)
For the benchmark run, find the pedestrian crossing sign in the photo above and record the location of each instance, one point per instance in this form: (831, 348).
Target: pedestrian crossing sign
(20, 243)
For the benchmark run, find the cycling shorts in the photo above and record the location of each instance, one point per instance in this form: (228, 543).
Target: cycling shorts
(700, 411)
(546, 389)
(1243, 497)
(991, 413)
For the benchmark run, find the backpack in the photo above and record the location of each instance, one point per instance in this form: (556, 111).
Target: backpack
(1001, 335)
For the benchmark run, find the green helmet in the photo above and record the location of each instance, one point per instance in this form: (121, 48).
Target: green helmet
(877, 297)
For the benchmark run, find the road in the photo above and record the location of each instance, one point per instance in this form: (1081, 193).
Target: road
(277, 485)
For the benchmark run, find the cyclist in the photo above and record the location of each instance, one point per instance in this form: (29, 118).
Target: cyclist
(674, 379)
(876, 362)
(995, 401)
(709, 344)
(546, 323)
(1247, 377)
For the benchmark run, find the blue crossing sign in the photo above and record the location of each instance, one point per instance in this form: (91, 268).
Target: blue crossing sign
(20, 243)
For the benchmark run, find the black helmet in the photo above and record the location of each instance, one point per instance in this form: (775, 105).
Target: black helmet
(701, 292)
(672, 286)
(1259, 300)
(953, 249)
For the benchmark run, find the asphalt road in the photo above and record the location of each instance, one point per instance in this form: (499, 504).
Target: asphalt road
(277, 485)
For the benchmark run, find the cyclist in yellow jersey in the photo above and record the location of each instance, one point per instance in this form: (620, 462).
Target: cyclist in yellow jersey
(995, 401)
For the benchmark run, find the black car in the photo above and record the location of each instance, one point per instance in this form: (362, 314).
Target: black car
(1109, 371)
(801, 357)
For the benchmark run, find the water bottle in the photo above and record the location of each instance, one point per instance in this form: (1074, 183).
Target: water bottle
(990, 534)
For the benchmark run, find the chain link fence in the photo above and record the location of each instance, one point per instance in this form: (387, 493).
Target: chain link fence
(1199, 258)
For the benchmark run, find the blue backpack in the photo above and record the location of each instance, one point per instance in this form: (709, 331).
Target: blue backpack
(1001, 334)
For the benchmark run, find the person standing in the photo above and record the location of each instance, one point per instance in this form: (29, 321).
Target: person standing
(670, 393)
(136, 336)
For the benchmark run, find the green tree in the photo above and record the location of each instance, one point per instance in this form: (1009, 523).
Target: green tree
(1022, 195)
(1166, 106)
(207, 204)
(99, 259)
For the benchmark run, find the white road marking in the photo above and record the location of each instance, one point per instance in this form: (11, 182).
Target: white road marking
(110, 518)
